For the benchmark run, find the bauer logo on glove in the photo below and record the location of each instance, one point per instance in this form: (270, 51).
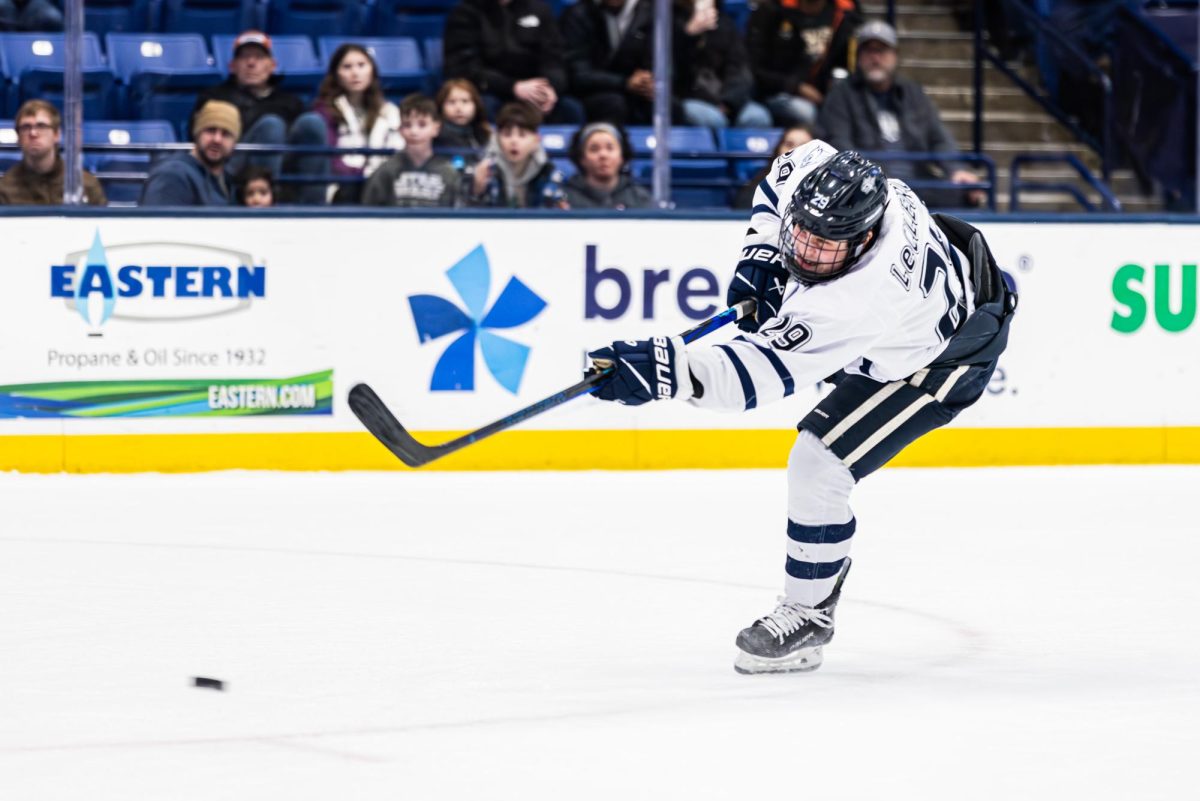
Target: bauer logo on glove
(644, 370)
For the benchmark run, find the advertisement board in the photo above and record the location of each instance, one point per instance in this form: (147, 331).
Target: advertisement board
(192, 343)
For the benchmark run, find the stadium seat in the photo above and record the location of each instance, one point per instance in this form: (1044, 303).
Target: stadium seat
(162, 73)
(753, 140)
(209, 17)
(315, 17)
(8, 136)
(119, 16)
(432, 48)
(34, 63)
(683, 139)
(419, 19)
(298, 67)
(699, 197)
(556, 139)
(399, 60)
(114, 132)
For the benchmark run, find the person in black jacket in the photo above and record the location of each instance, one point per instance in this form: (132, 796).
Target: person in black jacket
(511, 50)
(878, 110)
(711, 75)
(610, 58)
(794, 46)
(269, 116)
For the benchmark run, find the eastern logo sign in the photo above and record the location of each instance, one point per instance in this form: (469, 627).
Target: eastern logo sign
(156, 282)
(436, 317)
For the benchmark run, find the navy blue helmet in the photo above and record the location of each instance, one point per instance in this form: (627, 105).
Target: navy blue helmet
(833, 218)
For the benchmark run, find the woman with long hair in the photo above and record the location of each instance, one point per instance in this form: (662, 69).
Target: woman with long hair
(350, 100)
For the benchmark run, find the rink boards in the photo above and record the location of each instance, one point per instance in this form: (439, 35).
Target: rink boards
(168, 343)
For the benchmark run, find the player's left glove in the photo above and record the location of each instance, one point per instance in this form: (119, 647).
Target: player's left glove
(759, 276)
(644, 370)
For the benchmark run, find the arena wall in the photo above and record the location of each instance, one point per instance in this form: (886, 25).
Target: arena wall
(206, 342)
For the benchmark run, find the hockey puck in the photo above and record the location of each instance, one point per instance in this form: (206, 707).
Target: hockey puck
(207, 683)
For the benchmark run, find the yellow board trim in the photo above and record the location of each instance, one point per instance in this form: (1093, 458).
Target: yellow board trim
(581, 450)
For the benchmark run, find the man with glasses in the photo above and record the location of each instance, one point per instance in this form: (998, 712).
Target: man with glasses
(37, 180)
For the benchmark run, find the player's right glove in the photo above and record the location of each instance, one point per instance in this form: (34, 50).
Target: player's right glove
(761, 276)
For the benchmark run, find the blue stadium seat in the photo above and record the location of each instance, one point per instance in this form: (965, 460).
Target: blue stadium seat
(683, 139)
(209, 17)
(399, 60)
(298, 67)
(432, 48)
(556, 139)
(694, 197)
(753, 140)
(162, 73)
(8, 136)
(565, 166)
(34, 63)
(113, 132)
(420, 19)
(119, 16)
(315, 17)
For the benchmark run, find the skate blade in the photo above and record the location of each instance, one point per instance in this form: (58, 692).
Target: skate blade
(803, 661)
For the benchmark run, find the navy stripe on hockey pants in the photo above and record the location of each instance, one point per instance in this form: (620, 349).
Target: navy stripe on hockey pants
(866, 422)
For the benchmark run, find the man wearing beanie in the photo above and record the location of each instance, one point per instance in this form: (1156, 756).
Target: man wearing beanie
(198, 178)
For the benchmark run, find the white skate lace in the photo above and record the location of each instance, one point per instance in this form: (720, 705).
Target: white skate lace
(788, 617)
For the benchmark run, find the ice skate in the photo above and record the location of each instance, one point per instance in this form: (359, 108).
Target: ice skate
(790, 639)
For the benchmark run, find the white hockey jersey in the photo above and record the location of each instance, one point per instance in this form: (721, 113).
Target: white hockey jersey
(887, 317)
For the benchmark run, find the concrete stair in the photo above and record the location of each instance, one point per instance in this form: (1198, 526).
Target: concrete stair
(936, 53)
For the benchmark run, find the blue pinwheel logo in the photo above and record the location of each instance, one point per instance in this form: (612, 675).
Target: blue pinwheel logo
(437, 317)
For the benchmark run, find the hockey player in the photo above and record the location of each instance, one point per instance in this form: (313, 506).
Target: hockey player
(858, 284)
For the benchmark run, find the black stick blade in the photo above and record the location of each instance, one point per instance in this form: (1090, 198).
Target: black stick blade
(378, 419)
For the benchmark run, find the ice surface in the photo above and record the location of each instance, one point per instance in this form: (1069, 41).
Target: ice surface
(1005, 634)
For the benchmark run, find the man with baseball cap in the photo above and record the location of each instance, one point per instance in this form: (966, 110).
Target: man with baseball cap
(199, 177)
(267, 112)
(877, 110)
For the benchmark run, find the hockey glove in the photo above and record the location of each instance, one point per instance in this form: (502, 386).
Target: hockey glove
(759, 275)
(644, 370)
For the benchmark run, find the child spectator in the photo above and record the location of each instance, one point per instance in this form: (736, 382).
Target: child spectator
(257, 188)
(415, 177)
(350, 100)
(515, 171)
(464, 119)
(793, 137)
(601, 151)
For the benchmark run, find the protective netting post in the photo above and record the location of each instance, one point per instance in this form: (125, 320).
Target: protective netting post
(662, 103)
(73, 104)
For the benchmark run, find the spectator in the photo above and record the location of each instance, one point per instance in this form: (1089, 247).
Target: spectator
(515, 171)
(877, 110)
(37, 179)
(601, 151)
(269, 115)
(199, 177)
(792, 138)
(256, 188)
(464, 119)
(794, 47)
(511, 50)
(415, 177)
(712, 76)
(610, 58)
(30, 15)
(356, 114)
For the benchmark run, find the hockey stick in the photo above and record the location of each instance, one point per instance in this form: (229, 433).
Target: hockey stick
(375, 415)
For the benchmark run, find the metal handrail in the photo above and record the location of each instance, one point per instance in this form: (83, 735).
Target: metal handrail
(1104, 147)
(1016, 185)
(163, 148)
